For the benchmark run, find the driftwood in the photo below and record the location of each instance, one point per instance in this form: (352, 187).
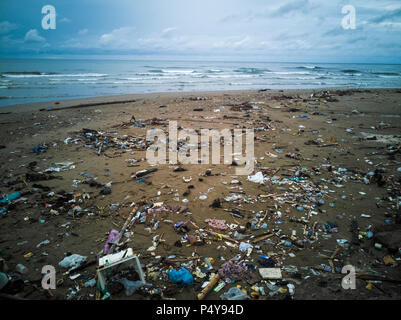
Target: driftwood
(209, 287)
(94, 104)
(264, 237)
(328, 145)
(221, 235)
(201, 120)
(334, 254)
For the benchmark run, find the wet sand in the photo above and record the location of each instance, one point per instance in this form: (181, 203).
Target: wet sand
(289, 121)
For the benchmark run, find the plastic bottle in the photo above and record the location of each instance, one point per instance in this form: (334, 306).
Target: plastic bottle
(219, 287)
(208, 264)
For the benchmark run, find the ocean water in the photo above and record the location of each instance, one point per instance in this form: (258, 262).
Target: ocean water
(33, 80)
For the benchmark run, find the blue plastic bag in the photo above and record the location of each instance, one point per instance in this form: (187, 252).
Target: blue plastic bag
(182, 277)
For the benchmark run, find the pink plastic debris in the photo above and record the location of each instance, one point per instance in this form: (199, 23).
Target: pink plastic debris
(217, 224)
(113, 236)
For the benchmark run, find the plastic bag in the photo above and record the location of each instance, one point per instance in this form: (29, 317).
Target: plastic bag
(182, 277)
(244, 246)
(234, 294)
(73, 261)
(131, 286)
(257, 178)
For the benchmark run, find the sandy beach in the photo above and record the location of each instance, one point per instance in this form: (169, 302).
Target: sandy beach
(331, 160)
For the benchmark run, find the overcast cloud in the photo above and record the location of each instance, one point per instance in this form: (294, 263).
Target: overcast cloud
(289, 30)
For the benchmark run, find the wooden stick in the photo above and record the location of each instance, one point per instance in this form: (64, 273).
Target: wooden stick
(194, 224)
(261, 220)
(127, 222)
(328, 145)
(271, 195)
(201, 120)
(263, 238)
(334, 253)
(93, 104)
(160, 239)
(332, 266)
(209, 287)
(221, 235)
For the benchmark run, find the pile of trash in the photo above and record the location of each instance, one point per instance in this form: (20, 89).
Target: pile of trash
(249, 249)
(102, 142)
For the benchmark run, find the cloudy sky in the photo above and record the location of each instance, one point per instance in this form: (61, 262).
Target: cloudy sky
(286, 30)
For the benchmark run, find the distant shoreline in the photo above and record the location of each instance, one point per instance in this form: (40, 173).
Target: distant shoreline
(27, 81)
